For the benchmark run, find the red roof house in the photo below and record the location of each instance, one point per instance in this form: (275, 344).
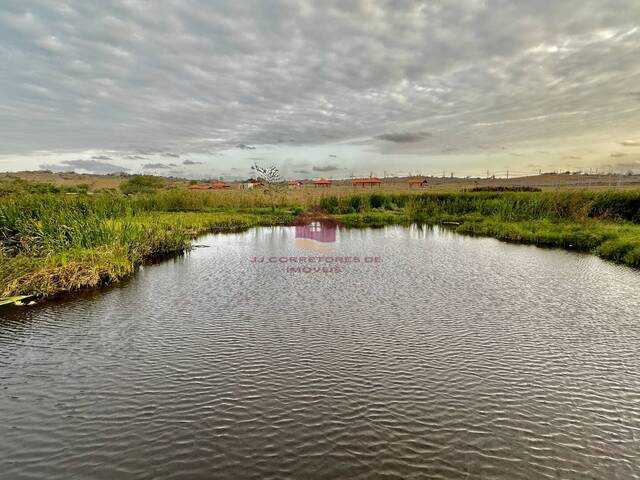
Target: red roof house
(366, 182)
(323, 182)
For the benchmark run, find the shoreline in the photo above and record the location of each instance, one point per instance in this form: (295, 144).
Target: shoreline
(64, 252)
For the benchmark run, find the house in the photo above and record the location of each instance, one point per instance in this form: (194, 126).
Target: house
(366, 182)
(418, 182)
(294, 184)
(209, 186)
(322, 182)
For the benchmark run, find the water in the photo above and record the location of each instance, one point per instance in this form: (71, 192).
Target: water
(435, 356)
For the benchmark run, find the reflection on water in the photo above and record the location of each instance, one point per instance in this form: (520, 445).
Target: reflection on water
(450, 357)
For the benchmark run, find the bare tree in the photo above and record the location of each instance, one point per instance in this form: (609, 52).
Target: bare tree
(269, 175)
(274, 185)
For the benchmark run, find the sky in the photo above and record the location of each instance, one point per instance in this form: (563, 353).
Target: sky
(332, 88)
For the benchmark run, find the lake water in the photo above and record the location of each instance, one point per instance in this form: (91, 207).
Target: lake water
(433, 356)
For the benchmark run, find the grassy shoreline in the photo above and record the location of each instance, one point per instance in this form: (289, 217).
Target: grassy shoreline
(120, 246)
(606, 224)
(54, 243)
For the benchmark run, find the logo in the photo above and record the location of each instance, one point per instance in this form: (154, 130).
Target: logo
(318, 234)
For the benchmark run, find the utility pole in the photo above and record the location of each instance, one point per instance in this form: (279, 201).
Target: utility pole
(507, 174)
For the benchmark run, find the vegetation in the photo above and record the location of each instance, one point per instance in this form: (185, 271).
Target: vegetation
(10, 185)
(51, 242)
(142, 184)
(604, 223)
(55, 243)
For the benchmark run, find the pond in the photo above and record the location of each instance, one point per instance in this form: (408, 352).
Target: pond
(314, 352)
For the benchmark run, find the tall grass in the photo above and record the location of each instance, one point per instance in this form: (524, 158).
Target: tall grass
(605, 223)
(56, 242)
(51, 243)
(507, 206)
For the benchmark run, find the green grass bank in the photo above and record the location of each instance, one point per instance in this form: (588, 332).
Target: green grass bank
(53, 243)
(606, 224)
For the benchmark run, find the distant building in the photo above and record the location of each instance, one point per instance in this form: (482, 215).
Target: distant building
(209, 186)
(366, 182)
(418, 183)
(322, 182)
(294, 184)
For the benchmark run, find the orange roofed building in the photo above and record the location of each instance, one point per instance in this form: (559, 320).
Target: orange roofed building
(323, 182)
(366, 182)
(418, 182)
(209, 186)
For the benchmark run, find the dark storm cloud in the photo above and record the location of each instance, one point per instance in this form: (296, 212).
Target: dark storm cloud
(618, 155)
(191, 162)
(630, 143)
(195, 76)
(101, 157)
(172, 155)
(302, 172)
(327, 168)
(156, 166)
(242, 146)
(406, 137)
(91, 166)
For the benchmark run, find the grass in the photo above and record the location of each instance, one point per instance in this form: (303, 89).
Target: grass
(52, 242)
(604, 223)
(57, 243)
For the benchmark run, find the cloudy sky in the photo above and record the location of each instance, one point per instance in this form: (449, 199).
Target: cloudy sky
(330, 88)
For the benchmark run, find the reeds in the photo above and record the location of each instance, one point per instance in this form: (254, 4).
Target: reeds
(51, 243)
(604, 223)
(55, 242)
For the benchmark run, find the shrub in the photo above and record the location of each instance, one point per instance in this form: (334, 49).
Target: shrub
(142, 184)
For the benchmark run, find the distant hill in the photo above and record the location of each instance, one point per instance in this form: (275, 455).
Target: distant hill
(72, 179)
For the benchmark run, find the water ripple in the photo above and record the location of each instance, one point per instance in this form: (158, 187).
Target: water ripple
(454, 357)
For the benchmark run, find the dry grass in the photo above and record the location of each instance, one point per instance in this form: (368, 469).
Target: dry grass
(340, 187)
